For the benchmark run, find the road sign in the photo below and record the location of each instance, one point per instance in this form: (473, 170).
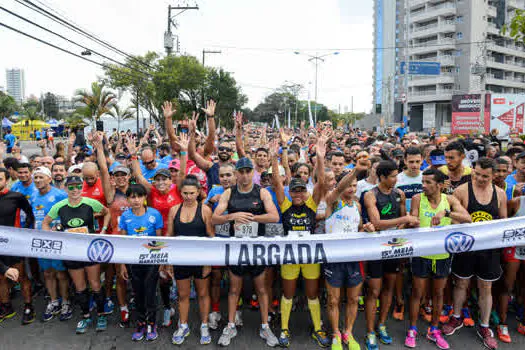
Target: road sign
(422, 68)
(316, 107)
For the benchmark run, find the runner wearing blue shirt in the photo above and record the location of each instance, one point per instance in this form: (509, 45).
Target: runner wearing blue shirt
(150, 165)
(24, 185)
(519, 177)
(11, 140)
(42, 200)
(140, 220)
(401, 131)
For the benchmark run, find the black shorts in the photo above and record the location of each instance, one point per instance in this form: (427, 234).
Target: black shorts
(345, 274)
(253, 271)
(484, 264)
(378, 268)
(185, 272)
(426, 268)
(77, 265)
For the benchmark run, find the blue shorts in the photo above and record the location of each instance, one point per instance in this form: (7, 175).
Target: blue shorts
(46, 264)
(346, 274)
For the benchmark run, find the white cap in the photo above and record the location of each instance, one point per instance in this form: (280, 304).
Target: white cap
(75, 167)
(42, 170)
(281, 170)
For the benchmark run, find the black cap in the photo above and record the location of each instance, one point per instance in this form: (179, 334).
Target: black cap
(73, 180)
(397, 153)
(244, 163)
(297, 183)
(163, 172)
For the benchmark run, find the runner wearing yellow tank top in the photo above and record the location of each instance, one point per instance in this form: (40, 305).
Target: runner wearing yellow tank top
(433, 208)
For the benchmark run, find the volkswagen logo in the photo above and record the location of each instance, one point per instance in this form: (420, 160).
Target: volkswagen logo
(100, 251)
(459, 242)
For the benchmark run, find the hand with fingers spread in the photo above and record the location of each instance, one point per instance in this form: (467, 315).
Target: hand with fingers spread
(168, 109)
(320, 148)
(274, 148)
(239, 119)
(130, 144)
(183, 142)
(210, 108)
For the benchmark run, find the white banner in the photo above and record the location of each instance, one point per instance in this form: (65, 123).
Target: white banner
(354, 246)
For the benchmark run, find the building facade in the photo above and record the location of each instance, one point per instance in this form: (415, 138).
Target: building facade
(16, 84)
(465, 37)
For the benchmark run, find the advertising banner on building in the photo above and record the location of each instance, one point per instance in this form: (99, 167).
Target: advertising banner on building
(506, 113)
(466, 114)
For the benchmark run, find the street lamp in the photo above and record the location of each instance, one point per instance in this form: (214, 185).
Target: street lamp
(317, 58)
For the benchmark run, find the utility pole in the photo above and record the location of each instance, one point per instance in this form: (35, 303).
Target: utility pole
(137, 107)
(204, 52)
(407, 64)
(168, 35)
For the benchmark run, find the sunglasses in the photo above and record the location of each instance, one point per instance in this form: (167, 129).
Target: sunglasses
(148, 163)
(225, 149)
(74, 187)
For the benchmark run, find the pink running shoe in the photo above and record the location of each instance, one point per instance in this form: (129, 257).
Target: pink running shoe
(410, 340)
(437, 337)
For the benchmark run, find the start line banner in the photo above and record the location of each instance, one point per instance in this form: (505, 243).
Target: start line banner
(325, 248)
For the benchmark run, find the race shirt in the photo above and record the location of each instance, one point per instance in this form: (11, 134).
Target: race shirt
(298, 220)
(362, 187)
(410, 186)
(215, 190)
(79, 217)
(116, 208)
(42, 203)
(510, 183)
(164, 202)
(193, 169)
(465, 177)
(249, 202)
(149, 173)
(144, 225)
(344, 219)
(27, 192)
(212, 175)
(95, 192)
(426, 213)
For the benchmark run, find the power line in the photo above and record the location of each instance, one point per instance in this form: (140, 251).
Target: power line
(71, 41)
(67, 51)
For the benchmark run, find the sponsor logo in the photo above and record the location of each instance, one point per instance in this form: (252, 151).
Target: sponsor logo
(274, 254)
(152, 219)
(39, 207)
(386, 209)
(459, 242)
(480, 216)
(4, 240)
(514, 235)
(100, 250)
(140, 230)
(52, 246)
(397, 248)
(499, 101)
(155, 254)
(76, 222)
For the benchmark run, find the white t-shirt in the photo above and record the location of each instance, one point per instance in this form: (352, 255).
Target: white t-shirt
(363, 186)
(410, 186)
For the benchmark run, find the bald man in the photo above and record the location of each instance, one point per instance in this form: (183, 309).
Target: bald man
(149, 164)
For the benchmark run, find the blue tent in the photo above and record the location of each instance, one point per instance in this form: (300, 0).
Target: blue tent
(6, 123)
(53, 123)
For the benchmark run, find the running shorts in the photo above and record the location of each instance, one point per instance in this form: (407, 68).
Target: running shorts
(345, 274)
(435, 268)
(76, 265)
(253, 271)
(508, 255)
(309, 271)
(46, 264)
(378, 268)
(185, 272)
(484, 264)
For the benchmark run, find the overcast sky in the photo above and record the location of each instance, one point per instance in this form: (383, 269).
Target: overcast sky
(257, 39)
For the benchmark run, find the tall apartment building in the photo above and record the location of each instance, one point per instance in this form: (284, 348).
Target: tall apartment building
(16, 84)
(464, 36)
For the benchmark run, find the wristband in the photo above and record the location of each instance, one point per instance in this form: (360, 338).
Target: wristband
(134, 157)
(183, 153)
(105, 228)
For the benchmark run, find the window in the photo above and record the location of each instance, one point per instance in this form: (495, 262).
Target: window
(459, 19)
(459, 35)
(457, 69)
(458, 52)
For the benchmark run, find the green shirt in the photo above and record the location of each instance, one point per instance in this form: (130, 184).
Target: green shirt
(426, 213)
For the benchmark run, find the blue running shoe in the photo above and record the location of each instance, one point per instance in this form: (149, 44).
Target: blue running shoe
(52, 310)
(83, 325)
(180, 335)
(102, 323)
(383, 335)
(108, 306)
(151, 332)
(139, 333)
(205, 335)
(284, 338)
(66, 311)
(371, 341)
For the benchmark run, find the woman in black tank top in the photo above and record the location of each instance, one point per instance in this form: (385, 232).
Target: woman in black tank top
(191, 218)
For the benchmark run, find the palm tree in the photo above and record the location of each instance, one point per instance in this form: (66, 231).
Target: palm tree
(98, 101)
(121, 114)
(7, 105)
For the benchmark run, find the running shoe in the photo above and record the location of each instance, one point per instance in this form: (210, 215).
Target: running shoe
(435, 336)
(267, 334)
(66, 312)
(275, 303)
(102, 323)
(213, 320)
(52, 309)
(383, 335)
(410, 340)
(371, 341)
(108, 306)
(445, 313)
(151, 332)
(399, 312)
(168, 314)
(361, 303)
(205, 335)
(180, 335)
(424, 315)
(337, 343)
(321, 338)
(228, 333)
(467, 317)
(238, 319)
(486, 334)
(83, 325)
(452, 325)
(284, 338)
(349, 340)
(29, 314)
(254, 303)
(521, 328)
(124, 318)
(140, 332)
(6, 311)
(503, 333)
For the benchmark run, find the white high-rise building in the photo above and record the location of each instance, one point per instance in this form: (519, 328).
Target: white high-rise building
(464, 36)
(16, 84)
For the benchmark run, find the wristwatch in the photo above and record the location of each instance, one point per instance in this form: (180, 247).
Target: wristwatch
(447, 213)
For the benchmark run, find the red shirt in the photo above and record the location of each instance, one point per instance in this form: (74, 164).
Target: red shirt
(164, 202)
(96, 192)
(117, 207)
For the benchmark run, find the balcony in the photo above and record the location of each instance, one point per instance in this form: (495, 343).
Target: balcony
(508, 49)
(445, 9)
(415, 3)
(512, 4)
(430, 96)
(422, 80)
(492, 79)
(433, 29)
(432, 46)
(492, 29)
(506, 66)
(492, 11)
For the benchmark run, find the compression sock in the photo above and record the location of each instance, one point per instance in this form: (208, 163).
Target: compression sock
(286, 309)
(315, 311)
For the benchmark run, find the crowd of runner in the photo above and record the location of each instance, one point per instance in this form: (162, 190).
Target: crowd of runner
(257, 181)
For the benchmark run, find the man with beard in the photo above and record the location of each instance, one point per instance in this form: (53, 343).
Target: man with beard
(455, 170)
(24, 185)
(336, 162)
(350, 153)
(58, 171)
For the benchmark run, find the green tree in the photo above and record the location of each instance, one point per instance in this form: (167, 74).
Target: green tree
(7, 105)
(516, 28)
(50, 105)
(121, 114)
(97, 102)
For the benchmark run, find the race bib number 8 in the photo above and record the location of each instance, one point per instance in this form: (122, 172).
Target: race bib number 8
(246, 230)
